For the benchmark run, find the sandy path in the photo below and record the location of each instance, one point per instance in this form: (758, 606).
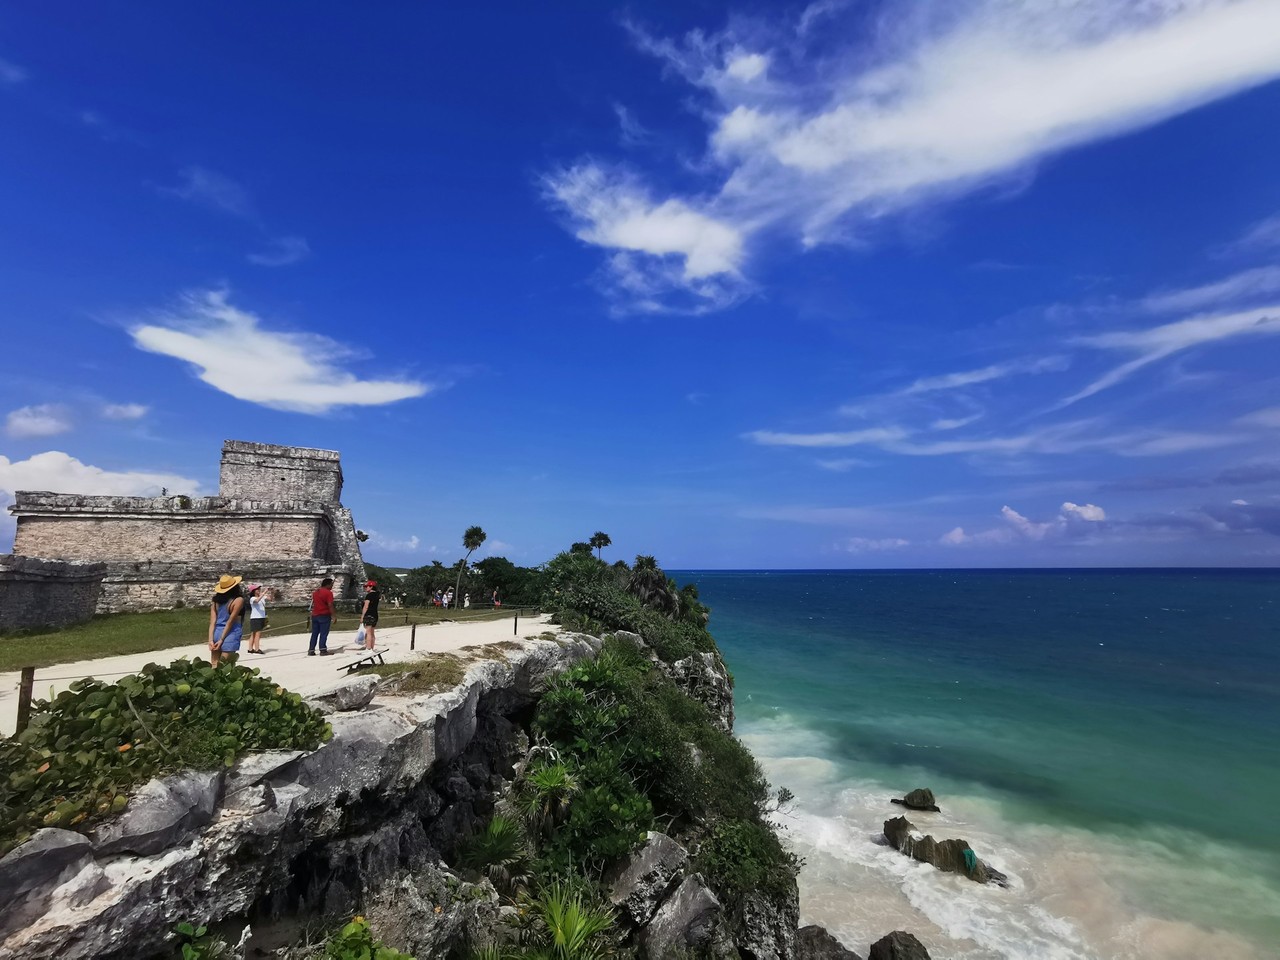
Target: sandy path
(285, 659)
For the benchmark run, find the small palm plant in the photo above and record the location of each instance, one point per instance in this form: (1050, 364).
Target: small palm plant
(545, 795)
(500, 852)
(573, 925)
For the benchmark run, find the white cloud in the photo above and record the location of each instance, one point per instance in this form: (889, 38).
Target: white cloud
(954, 423)
(124, 411)
(1249, 284)
(747, 66)
(211, 189)
(1267, 417)
(60, 473)
(1156, 343)
(281, 252)
(1263, 235)
(233, 352)
(42, 420)
(866, 545)
(995, 371)
(846, 438)
(1073, 522)
(11, 73)
(932, 101)
(631, 131)
(1084, 511)
(394, 544)
(683, 248)
(841, 465)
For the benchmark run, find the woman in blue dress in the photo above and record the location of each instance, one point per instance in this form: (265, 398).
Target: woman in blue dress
(226, 619)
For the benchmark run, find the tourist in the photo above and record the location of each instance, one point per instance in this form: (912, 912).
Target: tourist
(226, 620)
(257, 617)
(369, 613)
(439, 599)
(496, 602)
(448, 598)
(321, 617)
(466, 601)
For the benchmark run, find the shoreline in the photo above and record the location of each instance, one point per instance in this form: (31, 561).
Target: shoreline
(1075, 895)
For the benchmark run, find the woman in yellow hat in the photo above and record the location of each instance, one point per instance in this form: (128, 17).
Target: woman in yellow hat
(226, 619)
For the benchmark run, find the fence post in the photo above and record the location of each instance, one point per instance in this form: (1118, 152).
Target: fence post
(24, 698)
(413, 634)
(515, 625)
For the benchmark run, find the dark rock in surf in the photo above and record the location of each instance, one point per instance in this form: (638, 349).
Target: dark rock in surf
(946, 855)
(815, 943)
(898, 945)
(920, 799)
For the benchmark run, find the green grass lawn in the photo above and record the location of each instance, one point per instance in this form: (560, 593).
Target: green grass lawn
(118, 633)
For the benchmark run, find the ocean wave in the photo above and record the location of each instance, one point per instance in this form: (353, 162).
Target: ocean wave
(1074, 894)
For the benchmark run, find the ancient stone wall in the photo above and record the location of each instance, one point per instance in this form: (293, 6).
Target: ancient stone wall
(47, 593)
(73, 527)
(265, 471)
(277, 521)
(164, 585)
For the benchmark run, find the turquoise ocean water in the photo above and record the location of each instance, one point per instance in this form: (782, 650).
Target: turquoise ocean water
(1111, 739)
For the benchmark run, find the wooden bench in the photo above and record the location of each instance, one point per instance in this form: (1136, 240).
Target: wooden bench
(367, 658)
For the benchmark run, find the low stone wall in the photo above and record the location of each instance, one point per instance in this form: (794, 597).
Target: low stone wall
(164, 585)
(36, 593)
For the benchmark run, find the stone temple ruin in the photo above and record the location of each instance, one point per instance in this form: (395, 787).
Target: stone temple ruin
(278, 520)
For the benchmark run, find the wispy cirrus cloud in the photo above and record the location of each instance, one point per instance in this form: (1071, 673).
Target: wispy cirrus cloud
(1246, 285)
(292, 371)
(817, 134)
(11, 74)
(994, 371)
(40, 420)
(281, 252)
(212, 190)
(1260, 236)
(1156, 343)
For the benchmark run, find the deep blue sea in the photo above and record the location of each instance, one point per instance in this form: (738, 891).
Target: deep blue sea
(1111, 739)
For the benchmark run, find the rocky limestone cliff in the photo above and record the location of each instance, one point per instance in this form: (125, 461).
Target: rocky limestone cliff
(284, 832)
(369, 822)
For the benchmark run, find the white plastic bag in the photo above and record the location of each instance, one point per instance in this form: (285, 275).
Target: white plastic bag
(360, 634)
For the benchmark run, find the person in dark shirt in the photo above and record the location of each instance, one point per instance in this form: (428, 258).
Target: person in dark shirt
(369, 613)
(321, 617)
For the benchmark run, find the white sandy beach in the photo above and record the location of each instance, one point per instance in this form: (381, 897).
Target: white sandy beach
(285, 658)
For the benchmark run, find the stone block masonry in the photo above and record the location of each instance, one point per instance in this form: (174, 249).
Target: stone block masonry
(277, 520)
(35, 594)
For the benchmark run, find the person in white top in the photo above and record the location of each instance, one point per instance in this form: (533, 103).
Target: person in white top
(257, 617)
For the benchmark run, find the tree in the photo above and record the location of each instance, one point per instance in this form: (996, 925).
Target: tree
(600, 540)
(471, 540)
(580, 547)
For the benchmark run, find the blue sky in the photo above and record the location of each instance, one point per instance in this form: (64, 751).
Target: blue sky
(974, 283)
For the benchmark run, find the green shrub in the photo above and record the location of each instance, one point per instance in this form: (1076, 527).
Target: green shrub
(85, 749)
(743, 856)
(196, 943)
(355, 942)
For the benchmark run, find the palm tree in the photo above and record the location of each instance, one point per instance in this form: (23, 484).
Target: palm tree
(471, 540)
(600, 540)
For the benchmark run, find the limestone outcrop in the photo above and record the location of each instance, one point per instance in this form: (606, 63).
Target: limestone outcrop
(816, 943)
(383, 802)
(898, 945)
(921, 799)
(952, 856)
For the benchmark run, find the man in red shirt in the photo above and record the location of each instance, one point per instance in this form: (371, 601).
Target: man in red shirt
(321, 617)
